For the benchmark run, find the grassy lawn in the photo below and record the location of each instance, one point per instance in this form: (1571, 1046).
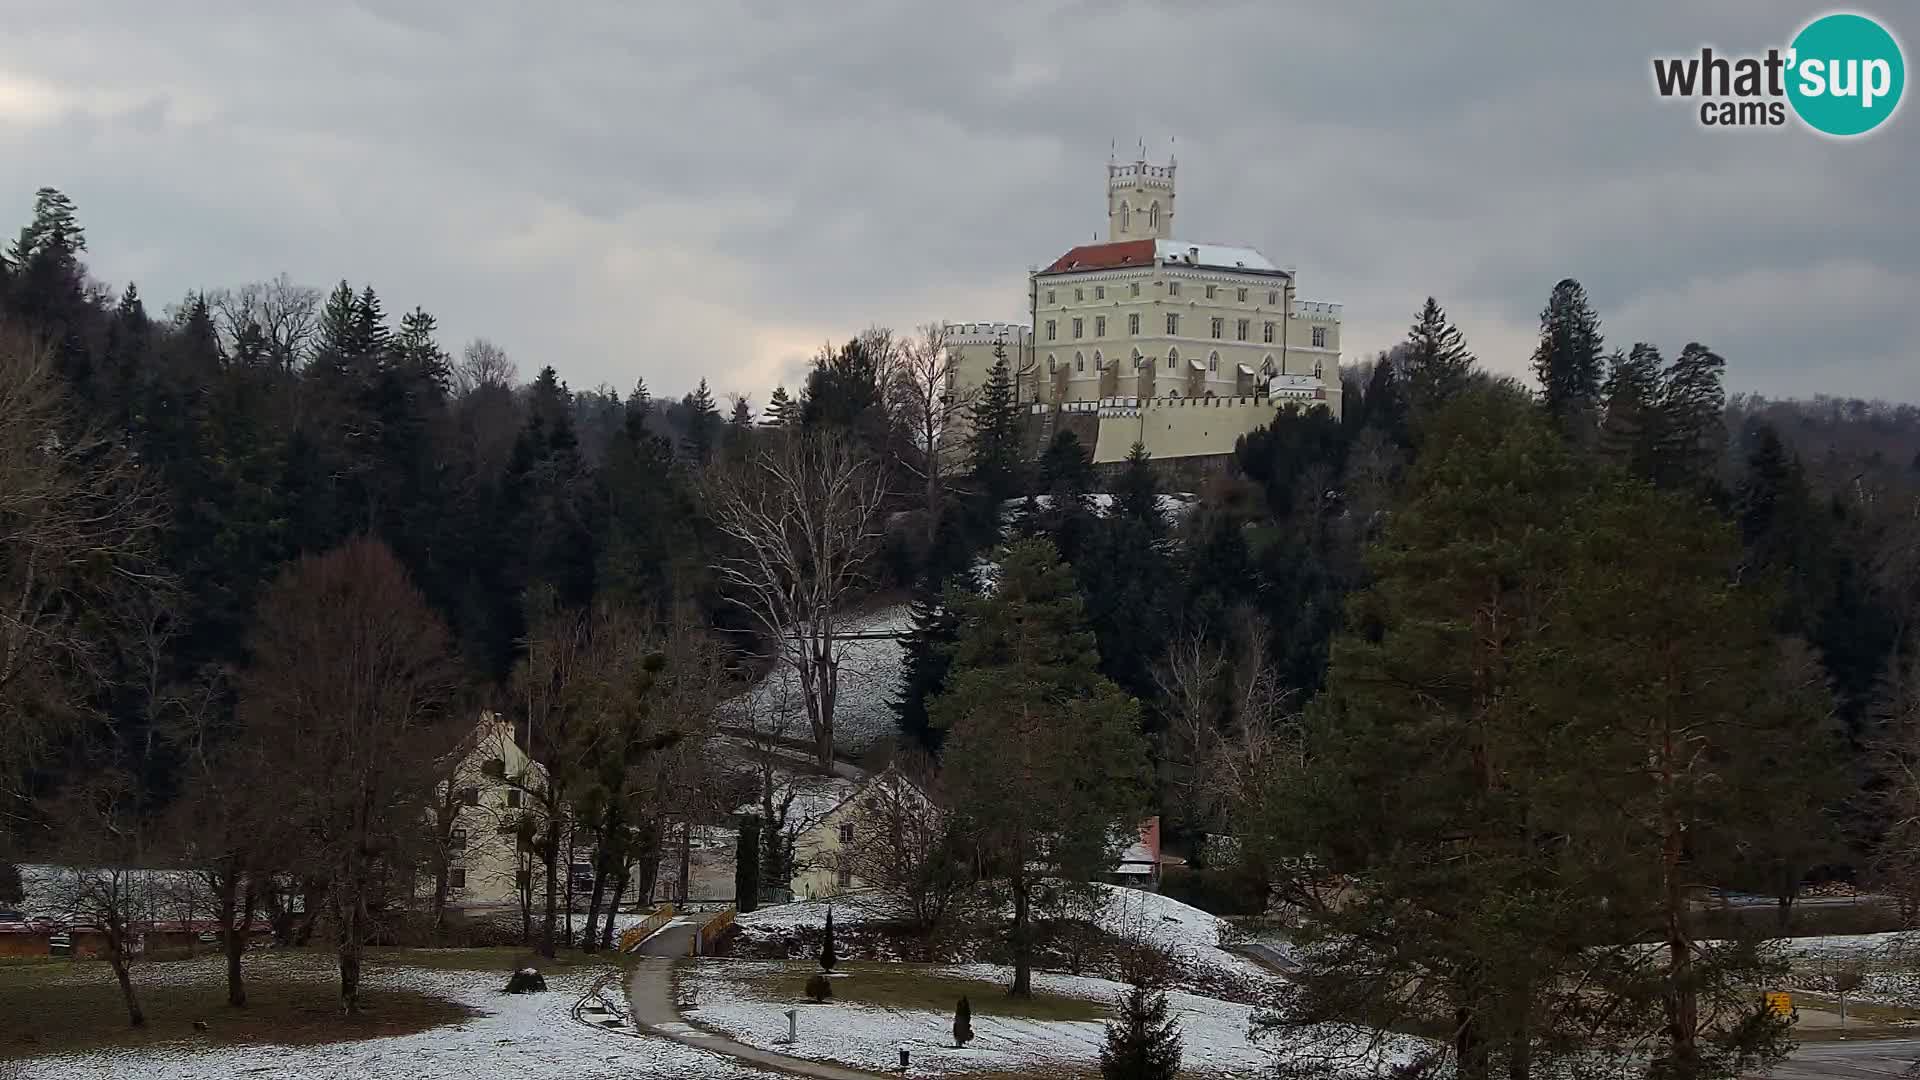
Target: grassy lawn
(503, 960)
(908, 986)
(73, 1006)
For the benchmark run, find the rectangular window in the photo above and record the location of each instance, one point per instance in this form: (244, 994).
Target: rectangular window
(1173, 323)
(470, 796)
(1240, 330)
(1078, 326)
(1171, 361)
(1173, 288)
(1243, 296)
(845, 877)
(1210, 290)
(458, 839)
(1099, 326)
(1133, 323)
(1319, 337)
(1273, 297)
(456, 878)
(1049, 296)
(1267, 334)
(1079, 294)
(513, 798)
(494, 768)
(846, 833)
(1050, 329)
(1134, 289)
(1213, 363)
(1219, 327)
(1099, 292)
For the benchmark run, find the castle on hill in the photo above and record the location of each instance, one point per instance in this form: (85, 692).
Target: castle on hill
(1181, 346)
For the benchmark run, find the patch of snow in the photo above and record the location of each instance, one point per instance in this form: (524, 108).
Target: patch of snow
(514, 1037)
(870, 671)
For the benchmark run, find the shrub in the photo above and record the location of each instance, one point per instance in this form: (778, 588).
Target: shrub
(962, 1022)
(819, 988)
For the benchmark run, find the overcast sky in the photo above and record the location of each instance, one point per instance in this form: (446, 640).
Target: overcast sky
(716, 187)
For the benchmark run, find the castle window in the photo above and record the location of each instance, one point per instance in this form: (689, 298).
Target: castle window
(1266, 334)
(1153, 216)
(1079, 294)
(1099, 292)
(1098, 364)
(1078, 326)
(1173, 323)
(1240, 330)
(1172, 362)
(1049, 296)
(1133, 289)
(1079, 362)
(1242, 296)
(1099, 326)
(1319, 337)
(1050, 329)
(1173, 288)
(1052, 365)
(1213, 362)
(1133, 323)
(1219, 327)
(1317, 369)
(1210, 292)
(1126, 217)
(1273, 296)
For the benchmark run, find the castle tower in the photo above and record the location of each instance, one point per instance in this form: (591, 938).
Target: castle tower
(1139, 200)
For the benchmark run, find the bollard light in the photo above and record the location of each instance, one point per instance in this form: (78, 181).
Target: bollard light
(903, 1057)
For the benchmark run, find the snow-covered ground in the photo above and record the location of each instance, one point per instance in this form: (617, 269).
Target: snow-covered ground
(869, 678)
(1219, 1039)
(515, 1037)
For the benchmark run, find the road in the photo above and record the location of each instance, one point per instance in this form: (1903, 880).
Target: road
(1864, 1059)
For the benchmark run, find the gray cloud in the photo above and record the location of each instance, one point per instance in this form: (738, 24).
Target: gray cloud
(717, 188)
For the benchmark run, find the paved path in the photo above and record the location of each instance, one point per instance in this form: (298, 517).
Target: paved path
(650, 991)
(673, 939)
(1862, 1059)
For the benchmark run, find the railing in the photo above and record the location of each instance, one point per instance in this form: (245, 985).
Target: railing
(631, 938)
(710, 932)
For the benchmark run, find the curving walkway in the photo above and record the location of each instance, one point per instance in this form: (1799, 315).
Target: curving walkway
(650, 993)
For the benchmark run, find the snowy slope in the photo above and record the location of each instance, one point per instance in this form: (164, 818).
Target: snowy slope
(519, 1037)
(870, 670)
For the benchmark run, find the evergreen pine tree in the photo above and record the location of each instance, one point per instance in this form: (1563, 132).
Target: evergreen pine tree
(1066, 474)
(53, 233)
(1631, 423)
(1143, 1042)
(1568, 360)
(993, 444)
(746, 865)
(962, 1023)
(1693, 405)
(781, 410)
(703, 424)
(927, 655)
(828, 955)
(1436, 361)
(639, 401)
(741, 417)
(1138, 497)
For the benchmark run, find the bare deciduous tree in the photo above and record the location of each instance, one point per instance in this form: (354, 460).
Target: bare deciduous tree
(349, 696)
(800, 518)
(906, 850)
(101, 888)
(287, 315)
(484, 364)
(77, 518)
(930, 401)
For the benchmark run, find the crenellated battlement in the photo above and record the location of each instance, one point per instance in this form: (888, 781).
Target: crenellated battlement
(1139, 174)
(987, 333)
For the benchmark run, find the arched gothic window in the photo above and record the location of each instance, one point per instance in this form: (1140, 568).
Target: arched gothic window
(1126, 217)
(1079, 362)
(1153, 215)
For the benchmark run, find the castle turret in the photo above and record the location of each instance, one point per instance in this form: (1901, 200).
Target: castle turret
(1139, 201)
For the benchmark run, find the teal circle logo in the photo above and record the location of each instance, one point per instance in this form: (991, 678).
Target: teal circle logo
(1845, 74)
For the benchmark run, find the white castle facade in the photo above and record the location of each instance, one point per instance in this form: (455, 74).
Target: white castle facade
(1183, 347)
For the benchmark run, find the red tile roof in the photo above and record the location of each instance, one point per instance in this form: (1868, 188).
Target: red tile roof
(1104, 257)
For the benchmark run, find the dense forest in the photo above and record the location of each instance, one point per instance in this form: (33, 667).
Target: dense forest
(194, 501)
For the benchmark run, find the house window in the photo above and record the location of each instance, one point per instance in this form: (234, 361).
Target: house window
(513, 798)
(1099, 292)
(1273, 297)
(1133, 289)
(1079, 294)
(494, 768)
(1240, 330)
(1213, 362)
(1049, 296)
(1052, 365)
(458, 839)
(1078, 326)
(1173, 288)
(1266, 334)
(844, 878)
(1241, 295)
(470, 796)
(1173, 323)
(1050, 328)
(1219, 327)
(1210, 291)
(1099, 326)
(456, 878)
(846, 833)
(1133, 323)
(1319, 337)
